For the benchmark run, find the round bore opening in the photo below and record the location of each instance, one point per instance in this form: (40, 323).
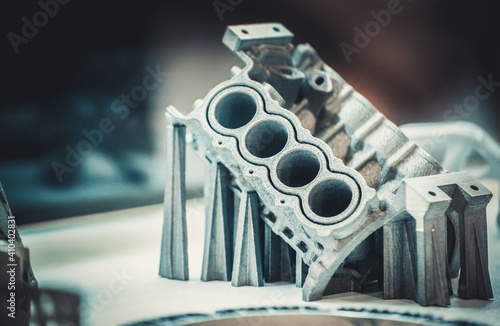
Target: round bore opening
(244, 31)
(266, 139)
(319, 80)
(235, 110)
(298, 168)
(475, 188)
(276, 29)
(330, 198)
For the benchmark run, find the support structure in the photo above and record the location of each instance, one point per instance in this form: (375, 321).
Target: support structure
(288, 139)
(301, 270)
(278, 260)
(417, 254)
(174, 255)
(470, 202)
(218, 252)
(247, 267)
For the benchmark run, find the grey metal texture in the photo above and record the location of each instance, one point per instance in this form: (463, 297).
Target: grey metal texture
(455, 143)
(288, 167)
(174, 258)
(247, 268)
(279, 258)
(418, 261)
(323, 167)
(218, 254)
(237, 38)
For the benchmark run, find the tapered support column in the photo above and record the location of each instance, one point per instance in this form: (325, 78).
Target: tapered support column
(247, 268)
(278, 258)
(415, 253)
(450, 228)
(400, 260)
(433, 280)
(218, 253)
(174, 256)
(470, 201)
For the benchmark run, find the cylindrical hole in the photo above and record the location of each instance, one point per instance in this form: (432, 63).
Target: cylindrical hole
(244, 31)
(235, 110)
(276, 29)
(475, 188)
(319, 80)
(330, 198)
(266, 139)
(298, 168)
(432, 193)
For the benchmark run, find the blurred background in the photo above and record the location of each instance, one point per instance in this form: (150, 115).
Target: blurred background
(81, 121)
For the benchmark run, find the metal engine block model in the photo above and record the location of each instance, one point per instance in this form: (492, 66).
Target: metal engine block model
(309, 183)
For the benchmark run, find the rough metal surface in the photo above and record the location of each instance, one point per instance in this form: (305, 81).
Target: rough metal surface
(458, 143)
(218, 253)
(174, 259)
(418, 261)
(247, 268)
(92, 266)
(325, 170)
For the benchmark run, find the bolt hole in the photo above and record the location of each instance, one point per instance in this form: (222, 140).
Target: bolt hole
(282, 201)
(219, 142)
(250, 172)
(244, 31)
(474, 188)
(432, 193)
(319, 80)
(276, 29)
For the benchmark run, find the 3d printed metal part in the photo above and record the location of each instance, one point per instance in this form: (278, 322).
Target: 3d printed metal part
(346, 198)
